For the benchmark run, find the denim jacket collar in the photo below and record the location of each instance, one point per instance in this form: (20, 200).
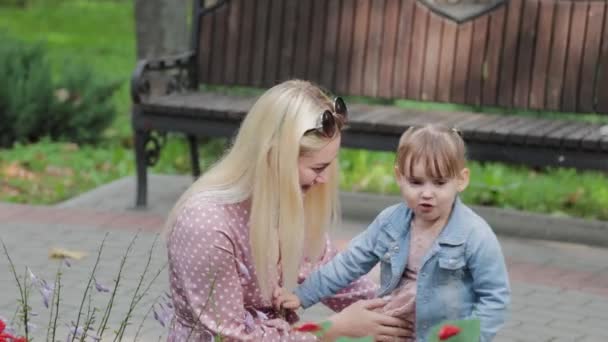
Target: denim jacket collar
(456, 231)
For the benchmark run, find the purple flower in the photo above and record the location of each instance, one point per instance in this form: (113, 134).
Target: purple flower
(46, 289)
(261, 315)
(79, 332)
(157, 317)
(162, 314)
(101, 287)
(249, 322)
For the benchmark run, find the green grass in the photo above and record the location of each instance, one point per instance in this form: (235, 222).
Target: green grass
(102, 34)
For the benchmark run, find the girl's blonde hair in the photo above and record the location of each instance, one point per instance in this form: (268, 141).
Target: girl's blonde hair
(262, 165)
(438, 147)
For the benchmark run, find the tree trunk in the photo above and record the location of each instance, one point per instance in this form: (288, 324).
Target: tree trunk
(161, 27)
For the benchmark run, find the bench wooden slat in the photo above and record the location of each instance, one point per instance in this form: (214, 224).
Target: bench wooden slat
(574, 139)
(371, 70)
(520, 135)
(357, 57)
(509, 57)
(431, 60)
(403, 48)
(417, 54)
(287, 56)
(232, 40)
(525, 55)
(345, 42)
(541, 55)
(558, 55)
(273, 47)
(302, 39)
(315, 52)
(454, 118)
(469, 127)
(592, 140)
(446, 61)
(499, 130)
(493, 53)
(246, 41)
(591, 50)
(259, 47)
(387, 120)
(536, 137)
(556, 137)
(461, 62)
(204, 57)
(505, 133)
(604, 143)
(330, 52)
(218, 45)
(574, 57)
(212, 105)
(388, 49)
(476, 63)
(483, 129)
(602, 77)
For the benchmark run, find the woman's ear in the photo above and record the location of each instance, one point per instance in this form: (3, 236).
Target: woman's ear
(463, 179)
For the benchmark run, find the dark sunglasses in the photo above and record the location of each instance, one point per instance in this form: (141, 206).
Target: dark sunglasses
(328, 122)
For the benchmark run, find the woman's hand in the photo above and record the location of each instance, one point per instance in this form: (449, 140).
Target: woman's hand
(283, 299)
(358, 320)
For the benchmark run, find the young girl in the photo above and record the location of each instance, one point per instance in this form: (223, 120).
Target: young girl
(438, 259)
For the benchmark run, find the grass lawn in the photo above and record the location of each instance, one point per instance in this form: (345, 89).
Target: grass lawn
(102, 34)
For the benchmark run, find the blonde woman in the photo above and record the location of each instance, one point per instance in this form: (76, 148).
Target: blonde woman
(257, 221)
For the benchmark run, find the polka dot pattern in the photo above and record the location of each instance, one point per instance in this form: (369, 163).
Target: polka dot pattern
(213, 280)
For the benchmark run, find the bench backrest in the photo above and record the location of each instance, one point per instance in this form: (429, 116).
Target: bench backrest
(530, 54)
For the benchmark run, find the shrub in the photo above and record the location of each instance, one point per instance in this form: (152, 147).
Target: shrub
(70, 104)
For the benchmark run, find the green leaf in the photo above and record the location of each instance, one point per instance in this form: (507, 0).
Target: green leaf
(470, 331)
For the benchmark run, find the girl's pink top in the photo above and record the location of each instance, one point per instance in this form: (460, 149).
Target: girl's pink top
(213, 281)
(402, 301)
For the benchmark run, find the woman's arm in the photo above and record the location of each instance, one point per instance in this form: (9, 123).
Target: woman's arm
(205, 276)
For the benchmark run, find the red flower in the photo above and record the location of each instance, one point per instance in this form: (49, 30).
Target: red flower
(6, 337)
(309, 327)
(448, 331)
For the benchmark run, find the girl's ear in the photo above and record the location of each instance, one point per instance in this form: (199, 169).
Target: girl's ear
(463, 179)
(398, 174)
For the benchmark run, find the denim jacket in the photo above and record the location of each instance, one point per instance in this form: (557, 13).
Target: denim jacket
(463, 275)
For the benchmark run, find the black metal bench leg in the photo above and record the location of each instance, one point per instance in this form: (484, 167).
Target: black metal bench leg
(142, 168)
(196, 167)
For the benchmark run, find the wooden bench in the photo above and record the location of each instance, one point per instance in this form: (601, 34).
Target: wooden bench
(526, 54)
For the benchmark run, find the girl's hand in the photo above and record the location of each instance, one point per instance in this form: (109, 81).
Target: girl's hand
(283, 299)
(358, 320)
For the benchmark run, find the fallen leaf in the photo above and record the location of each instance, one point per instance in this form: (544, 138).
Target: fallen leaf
(16, 170)
(61, 253)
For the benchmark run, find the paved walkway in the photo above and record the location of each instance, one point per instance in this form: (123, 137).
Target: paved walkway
(560, 290)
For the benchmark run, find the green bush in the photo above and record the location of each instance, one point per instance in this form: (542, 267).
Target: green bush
(68, 104)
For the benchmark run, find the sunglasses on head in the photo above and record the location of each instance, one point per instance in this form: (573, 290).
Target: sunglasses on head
(328, 122)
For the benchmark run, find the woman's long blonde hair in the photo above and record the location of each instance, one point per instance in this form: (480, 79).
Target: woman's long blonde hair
(262, 165)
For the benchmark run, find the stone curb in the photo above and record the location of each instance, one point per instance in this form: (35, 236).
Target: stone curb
(365, 207)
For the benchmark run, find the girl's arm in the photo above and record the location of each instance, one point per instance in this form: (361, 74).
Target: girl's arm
(206, 278)
(343, 269)
(362, 288)
(490, 283)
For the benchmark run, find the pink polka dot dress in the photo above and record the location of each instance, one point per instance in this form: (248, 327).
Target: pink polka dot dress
(213, 281)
